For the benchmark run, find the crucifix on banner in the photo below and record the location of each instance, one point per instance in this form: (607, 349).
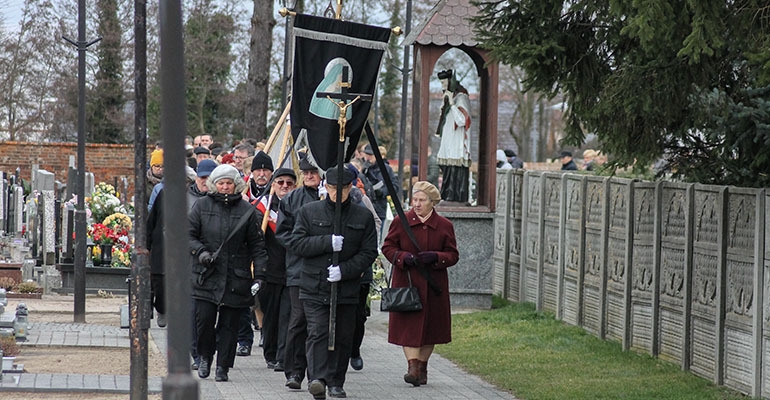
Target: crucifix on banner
(342, 100)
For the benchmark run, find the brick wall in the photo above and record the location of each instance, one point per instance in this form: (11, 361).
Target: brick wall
(105, 161)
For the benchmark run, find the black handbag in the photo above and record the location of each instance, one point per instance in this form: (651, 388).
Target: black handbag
(400, 299)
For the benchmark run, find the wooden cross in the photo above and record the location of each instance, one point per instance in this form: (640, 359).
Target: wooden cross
(343, 100)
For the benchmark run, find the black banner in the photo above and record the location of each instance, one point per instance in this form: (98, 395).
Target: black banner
(322, 48)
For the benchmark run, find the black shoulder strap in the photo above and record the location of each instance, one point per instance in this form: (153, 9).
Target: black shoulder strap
(399, 210)
(238, 226)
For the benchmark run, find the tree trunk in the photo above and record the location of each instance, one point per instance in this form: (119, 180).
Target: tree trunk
(258, 81)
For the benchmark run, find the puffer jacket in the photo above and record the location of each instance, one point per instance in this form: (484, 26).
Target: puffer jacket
(311, 239)
(228, 279)
(288, 210)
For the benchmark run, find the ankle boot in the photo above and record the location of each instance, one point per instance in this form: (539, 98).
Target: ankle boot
(413, 374)
(423, 372)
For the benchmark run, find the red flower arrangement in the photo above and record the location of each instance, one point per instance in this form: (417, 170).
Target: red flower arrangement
(102, 234)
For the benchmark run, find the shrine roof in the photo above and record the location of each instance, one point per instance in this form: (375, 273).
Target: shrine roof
(448, 23)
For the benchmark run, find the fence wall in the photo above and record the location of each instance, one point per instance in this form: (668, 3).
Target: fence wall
(105, 161)
(677, 271)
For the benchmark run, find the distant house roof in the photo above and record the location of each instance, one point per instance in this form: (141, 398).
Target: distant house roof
(447, 23)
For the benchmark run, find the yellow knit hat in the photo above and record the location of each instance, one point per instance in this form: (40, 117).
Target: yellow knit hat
(157, 157)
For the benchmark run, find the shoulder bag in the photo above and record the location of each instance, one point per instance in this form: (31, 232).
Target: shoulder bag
(400, 299)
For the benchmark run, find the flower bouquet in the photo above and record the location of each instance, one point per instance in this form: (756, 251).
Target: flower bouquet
(104, 202)
(102, 234)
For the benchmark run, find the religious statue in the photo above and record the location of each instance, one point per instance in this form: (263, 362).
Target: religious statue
(454, 154)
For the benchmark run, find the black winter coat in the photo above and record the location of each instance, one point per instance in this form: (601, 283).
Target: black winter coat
(288, 210)
(155, 239)
(274, 270)
(211, 220)
(312, 240)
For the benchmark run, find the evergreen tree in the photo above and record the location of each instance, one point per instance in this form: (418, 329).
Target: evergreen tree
(107, 119)
(208, 35)
(390, 89)
(636, 73)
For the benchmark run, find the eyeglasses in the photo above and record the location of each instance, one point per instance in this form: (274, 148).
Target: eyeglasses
(310, 172)
(286, 183)
(157, 166)
(238, 158)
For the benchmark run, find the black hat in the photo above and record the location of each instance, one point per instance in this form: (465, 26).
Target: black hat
(565, 154)
(262, 161)
(368, 149)
(201, 150)
(509, 153)
(305, 165)
(331, 176)
(285, 172)
(215, 151)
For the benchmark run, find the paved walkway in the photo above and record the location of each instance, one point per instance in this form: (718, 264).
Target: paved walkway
(381, 378)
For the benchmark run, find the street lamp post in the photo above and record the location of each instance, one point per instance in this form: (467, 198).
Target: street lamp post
(288, 5)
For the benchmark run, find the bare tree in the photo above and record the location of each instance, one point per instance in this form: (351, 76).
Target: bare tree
(258, 81)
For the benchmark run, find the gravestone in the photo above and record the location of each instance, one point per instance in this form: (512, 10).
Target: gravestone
(3, 202)
(46, 186)
(18, 209)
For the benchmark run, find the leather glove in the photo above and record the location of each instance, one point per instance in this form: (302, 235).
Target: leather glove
(427, 257)
(409, 260)
(337, 242)
(335, 275)
(256, 286)
(205, 258)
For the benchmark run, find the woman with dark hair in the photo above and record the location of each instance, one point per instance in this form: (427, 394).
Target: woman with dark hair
(418, 332)
(225, 240)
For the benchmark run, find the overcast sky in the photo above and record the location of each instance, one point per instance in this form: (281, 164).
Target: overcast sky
(11, 12)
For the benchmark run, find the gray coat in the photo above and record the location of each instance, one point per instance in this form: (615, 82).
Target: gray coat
(228, 279)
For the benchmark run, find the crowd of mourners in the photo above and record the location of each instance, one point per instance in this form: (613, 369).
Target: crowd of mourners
(266, 250)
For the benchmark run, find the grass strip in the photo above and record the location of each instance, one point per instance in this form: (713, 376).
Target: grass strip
(534, 356)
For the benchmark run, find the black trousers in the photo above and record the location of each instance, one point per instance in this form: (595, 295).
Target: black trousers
(212, 321)
(274, 299)
(158, 293)
(362, 311)
(329, 366)
(245, 331)
(294, 361)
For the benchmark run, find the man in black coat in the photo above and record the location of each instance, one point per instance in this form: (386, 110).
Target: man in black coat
(378, 193)
(295, 362)
(356, 245)
(273, 294)
(567, 164)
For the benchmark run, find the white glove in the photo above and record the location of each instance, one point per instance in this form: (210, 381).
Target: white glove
(322, 193)
(255, 288)
(337, 242)
(335, 275)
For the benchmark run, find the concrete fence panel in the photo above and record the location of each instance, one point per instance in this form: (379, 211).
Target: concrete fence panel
(619, 242)
(572, 257)
(550, 276)
(502, 232)
(704, 355)
(644, 271)
(515, 236)
(533, 233)
(675, 245)
(594, 270)
(744, 281)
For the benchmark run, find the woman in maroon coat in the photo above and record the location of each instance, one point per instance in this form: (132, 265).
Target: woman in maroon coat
(418, 332)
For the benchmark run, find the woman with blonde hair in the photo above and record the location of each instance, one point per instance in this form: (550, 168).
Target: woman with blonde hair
(418, 332)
